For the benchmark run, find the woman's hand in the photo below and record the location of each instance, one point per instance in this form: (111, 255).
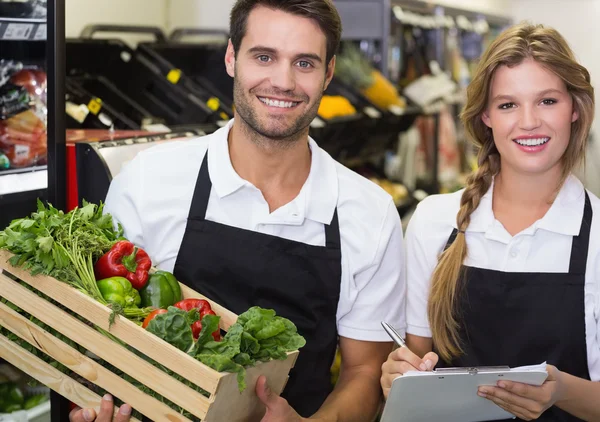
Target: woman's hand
(401, 361)
(525, 401)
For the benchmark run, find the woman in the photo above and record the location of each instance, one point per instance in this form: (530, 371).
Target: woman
(507, 271)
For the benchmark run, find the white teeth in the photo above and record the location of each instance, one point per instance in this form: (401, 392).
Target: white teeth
(277, 103)
(532, 142)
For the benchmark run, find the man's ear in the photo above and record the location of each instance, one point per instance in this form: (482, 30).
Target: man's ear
(230, 59)
(329, 73)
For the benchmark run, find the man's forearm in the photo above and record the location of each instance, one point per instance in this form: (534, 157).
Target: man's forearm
(356, 398)
(580, 398)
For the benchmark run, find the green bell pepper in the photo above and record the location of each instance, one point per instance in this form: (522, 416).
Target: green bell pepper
(161, 291)
(119, 290)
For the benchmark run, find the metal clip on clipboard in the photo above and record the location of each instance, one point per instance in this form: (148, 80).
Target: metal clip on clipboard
(472, 370)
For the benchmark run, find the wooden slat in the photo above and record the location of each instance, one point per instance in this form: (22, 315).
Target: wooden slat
(247, 407)
(127, 331)
(86, 367)
(105, 348)
(228, 318)
(49, 376)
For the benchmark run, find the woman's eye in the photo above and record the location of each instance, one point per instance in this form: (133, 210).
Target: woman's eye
(506, 106)
(549, 101)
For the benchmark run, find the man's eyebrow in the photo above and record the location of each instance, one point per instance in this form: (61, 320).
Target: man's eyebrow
(268, 50)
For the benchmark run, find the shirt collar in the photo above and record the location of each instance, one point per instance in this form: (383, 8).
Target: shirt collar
(563, 217)
(321, 185)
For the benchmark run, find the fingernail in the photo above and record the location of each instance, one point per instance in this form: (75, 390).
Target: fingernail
(429, 364)
(87, 415)
(125, 410)
(107, 397)
(501, 384)
(481, 394)
(423, 367)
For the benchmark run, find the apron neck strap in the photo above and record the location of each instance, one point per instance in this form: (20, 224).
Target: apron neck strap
(579, 250)
(201, 192)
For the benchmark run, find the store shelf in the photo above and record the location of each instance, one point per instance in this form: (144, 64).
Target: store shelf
(14, 181)
(13, 29)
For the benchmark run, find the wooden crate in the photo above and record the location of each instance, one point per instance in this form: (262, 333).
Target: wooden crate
(225, 403)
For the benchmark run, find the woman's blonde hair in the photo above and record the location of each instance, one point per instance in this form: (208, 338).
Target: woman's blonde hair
(524, 41)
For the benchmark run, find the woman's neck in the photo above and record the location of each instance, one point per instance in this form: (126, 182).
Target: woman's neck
(520, 200)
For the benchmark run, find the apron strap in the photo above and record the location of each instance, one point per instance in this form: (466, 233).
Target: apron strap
(451, 239)
(579, 249)
(201, 192)
(332, 233)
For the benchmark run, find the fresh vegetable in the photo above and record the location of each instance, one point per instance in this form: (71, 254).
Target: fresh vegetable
(119, 290)
(125, 259)
(161, 291)
(151, 316)
(258, 335)
(204, 308)
(65, 246)
(189, 304)
(11, 397)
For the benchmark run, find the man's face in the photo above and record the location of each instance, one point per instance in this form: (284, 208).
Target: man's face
(279, 73)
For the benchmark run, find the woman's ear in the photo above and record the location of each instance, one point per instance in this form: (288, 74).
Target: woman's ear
(575, 116)
(485, 118)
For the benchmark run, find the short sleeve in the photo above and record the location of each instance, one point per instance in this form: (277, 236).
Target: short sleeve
(382, 288)
(420, 264)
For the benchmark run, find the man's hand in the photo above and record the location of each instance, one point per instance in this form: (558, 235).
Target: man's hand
(278, 409)
(525, 401)
(105, 414)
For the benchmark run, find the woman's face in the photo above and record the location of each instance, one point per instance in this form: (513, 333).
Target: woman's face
(530, 113)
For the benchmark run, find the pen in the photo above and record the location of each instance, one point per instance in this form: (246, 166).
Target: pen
(393, 334)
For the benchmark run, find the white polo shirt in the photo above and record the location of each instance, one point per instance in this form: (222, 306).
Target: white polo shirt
(151, 198)
(543, 247)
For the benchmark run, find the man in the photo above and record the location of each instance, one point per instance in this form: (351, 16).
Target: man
(258, 214)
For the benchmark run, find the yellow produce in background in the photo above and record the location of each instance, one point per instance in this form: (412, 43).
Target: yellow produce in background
(382, 92)
(334, 106)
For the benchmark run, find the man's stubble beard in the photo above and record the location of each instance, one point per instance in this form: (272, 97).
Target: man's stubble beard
(282, 138)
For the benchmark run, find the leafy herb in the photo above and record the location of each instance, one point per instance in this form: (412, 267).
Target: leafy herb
(64, 246)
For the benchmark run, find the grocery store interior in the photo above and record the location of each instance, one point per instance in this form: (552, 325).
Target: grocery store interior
(85, 85)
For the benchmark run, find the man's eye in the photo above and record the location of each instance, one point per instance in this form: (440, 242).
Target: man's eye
(263, 58)
(304, 64)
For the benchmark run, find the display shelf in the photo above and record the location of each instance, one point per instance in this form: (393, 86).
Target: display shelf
(15, 29)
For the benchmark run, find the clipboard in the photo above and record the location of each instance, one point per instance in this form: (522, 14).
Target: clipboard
(450, 394)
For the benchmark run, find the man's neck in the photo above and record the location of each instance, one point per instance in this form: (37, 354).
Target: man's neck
(520, 200)
(278, 168)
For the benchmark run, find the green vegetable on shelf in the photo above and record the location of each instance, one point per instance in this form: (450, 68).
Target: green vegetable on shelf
(119, 290)
(161, 291)
(34, 401)
(11, 398)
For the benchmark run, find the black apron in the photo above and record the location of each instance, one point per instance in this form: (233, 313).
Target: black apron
(240, 268)
(519, 319)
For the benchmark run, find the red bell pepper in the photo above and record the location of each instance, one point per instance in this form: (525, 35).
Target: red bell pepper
(204, 308)
(124, 260)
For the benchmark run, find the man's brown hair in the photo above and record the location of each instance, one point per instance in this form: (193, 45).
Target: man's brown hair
(323, 12)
